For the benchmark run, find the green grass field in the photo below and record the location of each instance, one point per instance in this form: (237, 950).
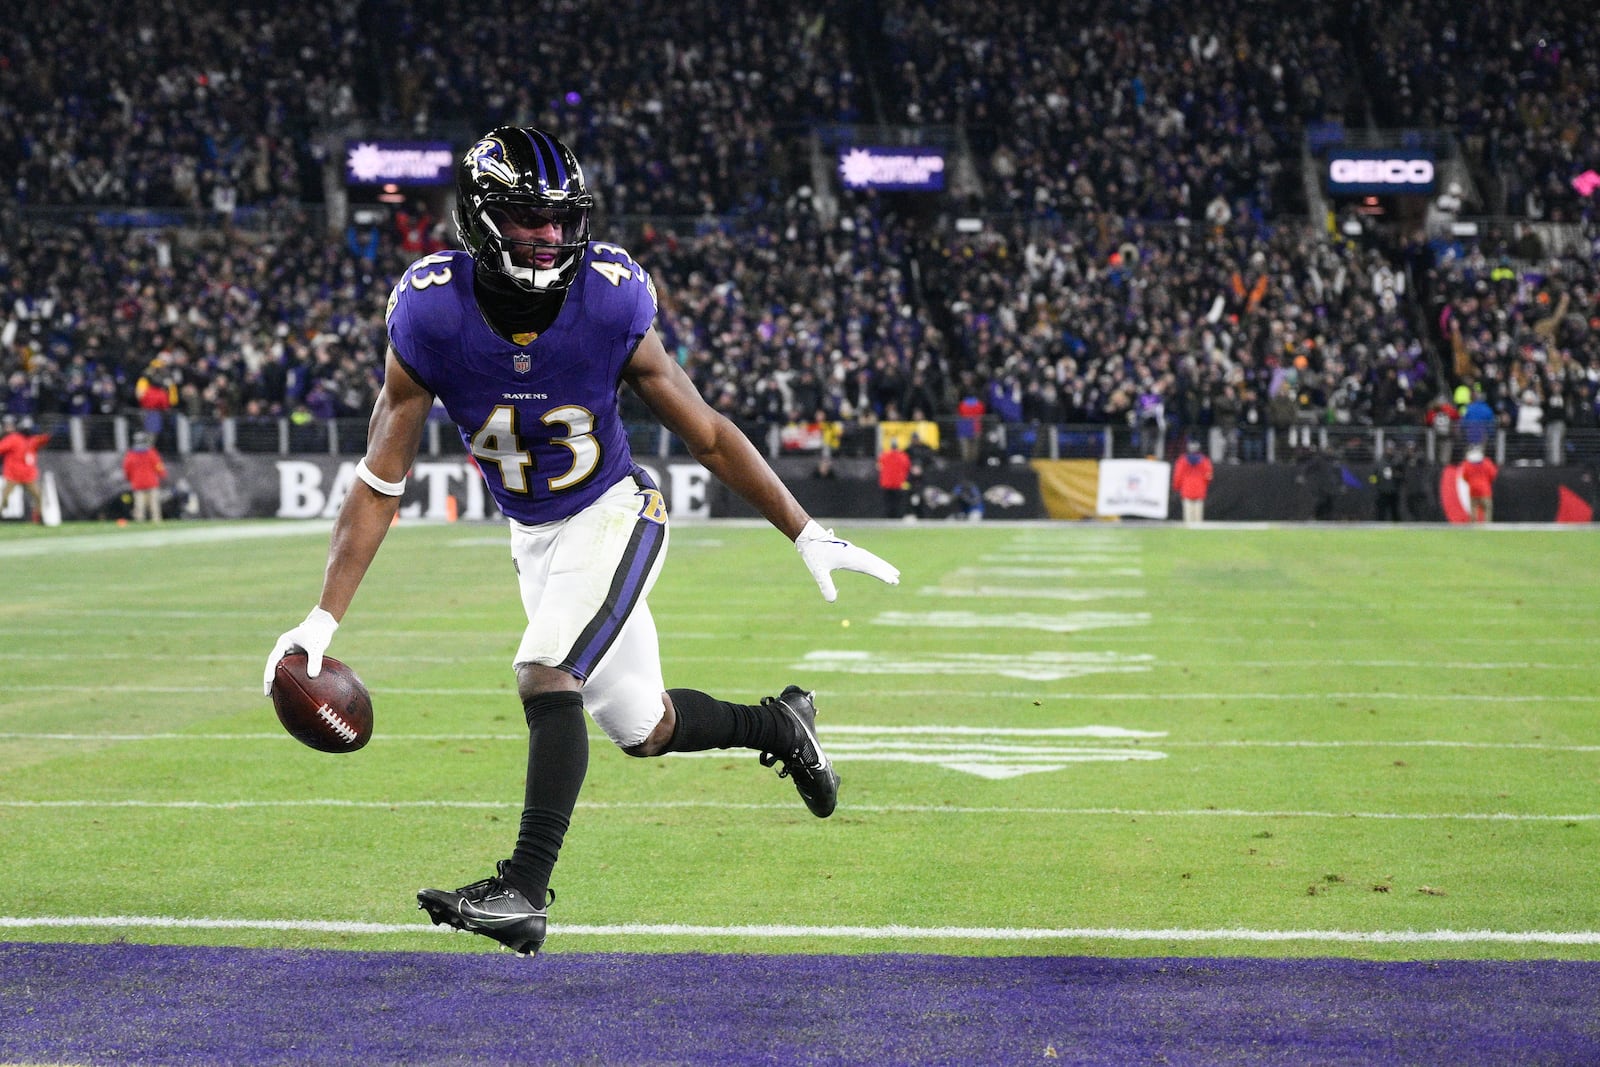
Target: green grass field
(1054, 739)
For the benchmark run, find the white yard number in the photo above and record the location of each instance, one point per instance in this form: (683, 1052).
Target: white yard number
(496, 442)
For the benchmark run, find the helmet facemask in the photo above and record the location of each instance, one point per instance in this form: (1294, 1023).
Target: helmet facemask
(512, 228)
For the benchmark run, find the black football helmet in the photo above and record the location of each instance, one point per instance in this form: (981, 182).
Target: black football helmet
(523, 174)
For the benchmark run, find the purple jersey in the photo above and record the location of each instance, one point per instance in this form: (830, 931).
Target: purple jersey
(541, 417)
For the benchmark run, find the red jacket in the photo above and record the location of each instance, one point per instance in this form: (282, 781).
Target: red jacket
(143, 468)
(1192, 477)
(972, 410)
(894, 467)
(1480, 477)
(21, 452)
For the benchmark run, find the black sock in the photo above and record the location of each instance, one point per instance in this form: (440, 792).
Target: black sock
(558, 757)
(706, 722)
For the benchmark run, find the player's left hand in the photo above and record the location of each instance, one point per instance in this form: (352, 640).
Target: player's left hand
(824, 553)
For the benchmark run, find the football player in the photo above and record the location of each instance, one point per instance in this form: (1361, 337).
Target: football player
(524, 337)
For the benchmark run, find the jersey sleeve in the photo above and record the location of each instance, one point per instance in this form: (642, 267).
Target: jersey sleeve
(630, 296)
(423, 313)
(644, 312)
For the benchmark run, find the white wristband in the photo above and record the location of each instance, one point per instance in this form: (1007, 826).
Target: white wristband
(378, 484)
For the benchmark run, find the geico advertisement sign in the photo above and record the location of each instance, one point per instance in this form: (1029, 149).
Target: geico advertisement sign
(1385, 173)
(308, 490)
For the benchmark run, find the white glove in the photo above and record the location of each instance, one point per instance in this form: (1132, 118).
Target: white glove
(824, 553)
(314, 635)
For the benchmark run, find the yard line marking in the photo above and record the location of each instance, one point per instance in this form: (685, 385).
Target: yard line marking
(869, 809)
(970, 620)
(1031, 593)
(994, 762)
(1408, 664)
(1029, 666)
(888, 932)
(1116, 732)
(1048, 572)
(1370, 743)
(1064, 559)
(1166, 697)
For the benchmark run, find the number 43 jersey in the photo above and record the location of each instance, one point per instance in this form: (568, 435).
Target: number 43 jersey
(540, 417)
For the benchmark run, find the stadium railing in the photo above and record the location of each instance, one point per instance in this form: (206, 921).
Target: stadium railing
(994, 441)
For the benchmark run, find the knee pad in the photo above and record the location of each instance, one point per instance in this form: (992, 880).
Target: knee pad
(628, 714)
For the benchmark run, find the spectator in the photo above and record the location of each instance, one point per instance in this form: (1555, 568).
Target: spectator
(1191, 477)
(969, 425)
(144, 471)
(894, 478)
(1479, 473)
(1478, 421)
(157, 392)
(1387, 479)
(1320, 476)
(19, 463)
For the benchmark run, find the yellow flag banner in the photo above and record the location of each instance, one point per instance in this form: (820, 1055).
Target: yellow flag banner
(1070, 487)
(900, 433)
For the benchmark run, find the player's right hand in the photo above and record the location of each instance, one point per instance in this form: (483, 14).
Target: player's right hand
(314, 635)
(824, 553)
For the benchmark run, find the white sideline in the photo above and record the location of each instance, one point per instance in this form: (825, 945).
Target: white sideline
(891, 932)
(864, 809)
(118, 539)
(943, 694)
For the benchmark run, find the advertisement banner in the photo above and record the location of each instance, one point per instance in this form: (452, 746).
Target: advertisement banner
(1366, 173)
(400, 162)
(90, 487)
(900, 169)
(1134, 487)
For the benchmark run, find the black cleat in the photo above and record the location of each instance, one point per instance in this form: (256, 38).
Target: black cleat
(491, 908)
(812, 772)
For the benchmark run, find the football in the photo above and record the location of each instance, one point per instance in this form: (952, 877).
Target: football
(331, 712)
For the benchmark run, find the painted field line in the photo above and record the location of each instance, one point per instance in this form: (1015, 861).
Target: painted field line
(1167, 697)
(885, 734)
(854, 933)
(1031, 593)
(1412, 664)
(141, 540)
(1065, 568)
(931, 620)
(867, 809)
(502, 660)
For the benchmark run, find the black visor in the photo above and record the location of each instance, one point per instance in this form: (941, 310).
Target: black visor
(569, 221)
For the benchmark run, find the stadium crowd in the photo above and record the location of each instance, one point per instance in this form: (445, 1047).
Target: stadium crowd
(1146, 256)
(1516, 82)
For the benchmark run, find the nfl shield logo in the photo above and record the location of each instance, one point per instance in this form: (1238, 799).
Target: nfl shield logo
(521, 362)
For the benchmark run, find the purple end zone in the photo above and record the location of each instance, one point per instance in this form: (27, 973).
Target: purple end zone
(143, 1004)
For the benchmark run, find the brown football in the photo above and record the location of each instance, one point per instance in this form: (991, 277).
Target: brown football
(331, 712)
